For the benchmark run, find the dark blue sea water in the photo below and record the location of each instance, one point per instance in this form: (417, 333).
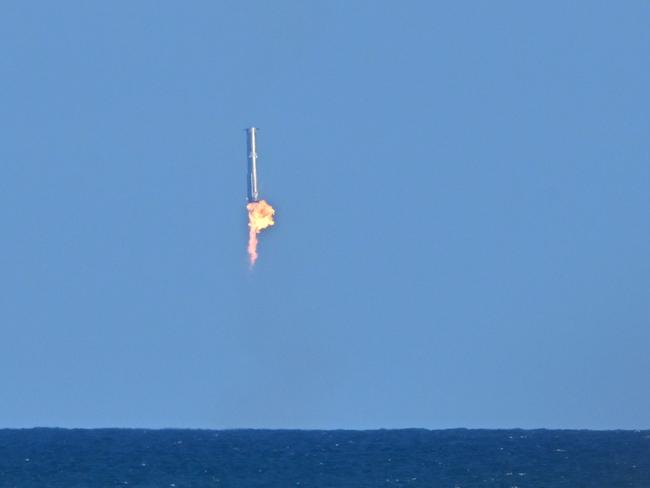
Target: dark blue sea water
(285, 458)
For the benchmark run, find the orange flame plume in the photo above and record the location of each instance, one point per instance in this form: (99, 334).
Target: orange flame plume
(260, 216)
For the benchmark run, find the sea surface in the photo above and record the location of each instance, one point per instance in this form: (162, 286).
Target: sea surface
(339, 458)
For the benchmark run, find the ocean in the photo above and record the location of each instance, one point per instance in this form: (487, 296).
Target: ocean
(44, 457)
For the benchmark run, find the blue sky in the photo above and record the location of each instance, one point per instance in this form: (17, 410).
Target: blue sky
(462, 214)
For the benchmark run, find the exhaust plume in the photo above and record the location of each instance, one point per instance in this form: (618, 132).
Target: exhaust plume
(260, 216)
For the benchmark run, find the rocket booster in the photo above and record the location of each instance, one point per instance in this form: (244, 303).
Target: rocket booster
(251, 134)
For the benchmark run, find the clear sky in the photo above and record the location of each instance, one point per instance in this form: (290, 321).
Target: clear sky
(462, 200)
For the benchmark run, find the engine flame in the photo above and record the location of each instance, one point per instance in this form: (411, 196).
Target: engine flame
(260, 216)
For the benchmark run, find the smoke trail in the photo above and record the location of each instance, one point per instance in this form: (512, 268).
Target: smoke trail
(260, 216)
